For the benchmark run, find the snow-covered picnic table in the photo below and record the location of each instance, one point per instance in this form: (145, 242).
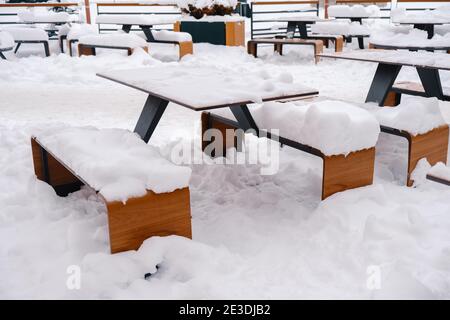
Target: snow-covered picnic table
(204, 88)
(390, 63)
(301, 22)
(425, 20)
(145, 22)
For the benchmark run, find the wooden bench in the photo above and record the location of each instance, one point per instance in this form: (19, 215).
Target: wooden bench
(181, 39)
(339, 173)
(87, 45)
(6, 43)
(130, 222)
(252, 45)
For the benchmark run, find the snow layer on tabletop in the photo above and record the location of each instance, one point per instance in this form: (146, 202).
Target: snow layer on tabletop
(416, 115)
(26, 33)
(78, 30)
(353, 11)
(199, 86)
(6, 40)
(333, 127)
(115, 162)
(401, 15)
(136, 19)
(340, 28)
(114, 39)
(414, 38)
(166, 35)
(48, 16)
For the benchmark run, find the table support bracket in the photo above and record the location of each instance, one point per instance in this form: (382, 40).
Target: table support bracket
(151, 114)
(382, 82)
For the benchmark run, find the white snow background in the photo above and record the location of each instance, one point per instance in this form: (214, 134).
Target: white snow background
(253, 236)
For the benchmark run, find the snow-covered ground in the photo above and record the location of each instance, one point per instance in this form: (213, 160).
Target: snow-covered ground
(254, 236)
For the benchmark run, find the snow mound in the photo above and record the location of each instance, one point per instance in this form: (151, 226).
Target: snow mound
(115, 162)
(333, 127)
(416, 115)
(114, 40)
(440, 170)
(79, 30)
(6, 40)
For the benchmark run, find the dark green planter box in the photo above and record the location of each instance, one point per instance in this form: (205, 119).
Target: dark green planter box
(210, 32)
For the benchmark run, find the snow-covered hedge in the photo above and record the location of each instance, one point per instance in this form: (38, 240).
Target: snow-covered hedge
(200, 8)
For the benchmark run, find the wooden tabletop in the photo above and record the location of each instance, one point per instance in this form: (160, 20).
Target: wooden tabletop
(411, 59)
(203, 88)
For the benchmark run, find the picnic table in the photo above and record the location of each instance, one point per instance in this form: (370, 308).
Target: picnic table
(300, 22)
(145, 22)
(202, 88)
(389, 65)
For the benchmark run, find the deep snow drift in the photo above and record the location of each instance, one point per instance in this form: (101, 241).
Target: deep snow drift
(254, 236)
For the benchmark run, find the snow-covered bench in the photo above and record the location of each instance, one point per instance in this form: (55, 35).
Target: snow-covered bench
(145, 195)
(413, 40)
(6, 43)
(343, 135)
(121, 41)
(346, 29)
(252, 45)
(182, 39)
(72, 33)
(29, 35)
(439, 173)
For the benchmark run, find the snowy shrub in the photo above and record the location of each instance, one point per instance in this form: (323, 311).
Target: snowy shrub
(200, 8)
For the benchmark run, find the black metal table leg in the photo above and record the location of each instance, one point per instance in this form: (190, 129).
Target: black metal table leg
(17, 47)
(151, 114)
(126, 28)
(382, 83)
(148, 33)
(431, 82)
(429, 28)
(2, 56)
(302, 29)
(244, 117)
(291, 27)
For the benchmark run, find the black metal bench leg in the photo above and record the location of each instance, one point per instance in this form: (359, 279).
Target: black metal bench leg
(17, 47)
(126, 28)
(382, 83)
(361, 42)
(431, 82)
(61, 44)
(2, 56)
(46, 49)
(429, 28)
(151, 114)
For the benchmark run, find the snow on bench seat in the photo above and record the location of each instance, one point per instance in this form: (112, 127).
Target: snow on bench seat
(333, 127)
(136, 19)
(145, 195)
(114, 162)
(114, 40)
(414, 38)
(27, 33)
(172, 36)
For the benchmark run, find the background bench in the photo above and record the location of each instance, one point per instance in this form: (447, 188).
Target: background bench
(252, 45)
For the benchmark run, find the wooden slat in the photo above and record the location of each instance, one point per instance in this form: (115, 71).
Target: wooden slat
(347, 172)
(160, 214)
